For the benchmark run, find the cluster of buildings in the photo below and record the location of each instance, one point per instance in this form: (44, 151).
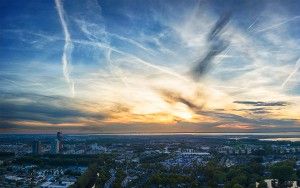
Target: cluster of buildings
(131, 155)
(27, 176)
(56, 146)
(83, 148)
(241, 150)
(285, 149)
(18, 149)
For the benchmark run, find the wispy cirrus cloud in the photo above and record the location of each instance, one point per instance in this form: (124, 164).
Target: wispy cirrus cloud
(260, 103)
(132, 66)
(67, 51)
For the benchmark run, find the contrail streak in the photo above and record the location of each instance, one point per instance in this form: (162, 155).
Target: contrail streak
(157, 67)
(66, 57)
(278, 24)
(131, 41)
(108, 47)
(118, 74)
(297, 67)
(162, 69)
(252, 24)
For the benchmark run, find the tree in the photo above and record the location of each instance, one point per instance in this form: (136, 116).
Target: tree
(298, 173)
(252, 185)
(87, 179)
(283, 172)
(237, 186)
(262, 184)
(214, 174)
(298, 177)
(241, 179)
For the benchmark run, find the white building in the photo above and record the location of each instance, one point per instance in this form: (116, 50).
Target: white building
(269, 183)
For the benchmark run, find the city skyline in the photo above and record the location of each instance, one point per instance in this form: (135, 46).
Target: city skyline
(149, 66)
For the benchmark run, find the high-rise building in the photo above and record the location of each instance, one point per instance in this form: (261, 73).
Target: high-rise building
(36, 147)
(59, 137)
(55, 146)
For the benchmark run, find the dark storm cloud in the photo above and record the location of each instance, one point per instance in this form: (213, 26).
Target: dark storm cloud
(216, 46)
(260, 103)
(33, 107)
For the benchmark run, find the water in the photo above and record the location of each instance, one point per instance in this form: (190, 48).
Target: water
(281, 139)
(274, 136)
(297, 134)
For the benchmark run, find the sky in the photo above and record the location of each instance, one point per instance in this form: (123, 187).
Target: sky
(116, 66)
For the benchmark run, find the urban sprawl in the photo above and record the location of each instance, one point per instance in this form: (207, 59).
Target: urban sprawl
(60, 161)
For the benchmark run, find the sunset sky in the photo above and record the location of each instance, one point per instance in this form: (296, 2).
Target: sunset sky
(116, 66)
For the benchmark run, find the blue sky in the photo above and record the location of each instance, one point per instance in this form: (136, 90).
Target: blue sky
(149, 66)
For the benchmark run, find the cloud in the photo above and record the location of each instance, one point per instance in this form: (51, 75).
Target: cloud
(68, 47)
(258, 123)
(173, 97)
(258, 111)
(260, 103)
(47, 109)
(235, 126)
(277, 24)
(216, 46)
(297, 67)
(120, 60)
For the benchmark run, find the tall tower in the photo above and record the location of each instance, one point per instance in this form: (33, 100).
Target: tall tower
(36, 147)
(59, 137)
